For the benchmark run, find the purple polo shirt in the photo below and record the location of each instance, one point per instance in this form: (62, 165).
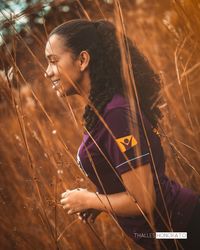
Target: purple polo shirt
(109, 154)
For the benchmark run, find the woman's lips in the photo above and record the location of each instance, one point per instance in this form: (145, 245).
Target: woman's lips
(56, 84)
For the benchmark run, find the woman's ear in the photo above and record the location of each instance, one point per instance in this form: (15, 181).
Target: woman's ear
(84, 58)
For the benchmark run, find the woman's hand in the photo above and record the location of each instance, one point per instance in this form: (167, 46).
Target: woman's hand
(76, 200)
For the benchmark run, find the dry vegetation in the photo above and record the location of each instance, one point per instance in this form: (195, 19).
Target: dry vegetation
(39, 137)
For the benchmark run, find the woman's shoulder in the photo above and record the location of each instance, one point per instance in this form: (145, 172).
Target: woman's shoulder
(118, 101)
(118, 112)
(113, 113)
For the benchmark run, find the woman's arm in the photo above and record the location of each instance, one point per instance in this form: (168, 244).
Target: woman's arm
(120, 204)
(138, 182)
(140, 187)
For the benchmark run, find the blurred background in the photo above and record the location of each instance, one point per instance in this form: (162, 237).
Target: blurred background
(39, 138)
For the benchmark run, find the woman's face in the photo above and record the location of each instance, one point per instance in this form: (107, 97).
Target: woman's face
(63, 69)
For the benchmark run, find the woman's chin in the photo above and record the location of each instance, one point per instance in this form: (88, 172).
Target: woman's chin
(66, 92)
(58, 93)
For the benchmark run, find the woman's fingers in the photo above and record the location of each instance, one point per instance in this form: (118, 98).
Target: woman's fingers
(63, 202)
(72, 200)
(71, 211)
(63, 195)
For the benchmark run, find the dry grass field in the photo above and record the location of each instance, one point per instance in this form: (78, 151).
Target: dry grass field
(39, 135)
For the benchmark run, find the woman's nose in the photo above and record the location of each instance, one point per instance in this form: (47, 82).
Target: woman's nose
(49, 72)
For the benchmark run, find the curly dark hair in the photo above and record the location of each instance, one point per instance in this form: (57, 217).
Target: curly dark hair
(105, 69)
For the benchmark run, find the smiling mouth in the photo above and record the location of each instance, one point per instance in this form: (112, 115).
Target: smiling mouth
(55, 84)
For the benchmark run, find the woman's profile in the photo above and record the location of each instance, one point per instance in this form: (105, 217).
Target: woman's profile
(128, 170)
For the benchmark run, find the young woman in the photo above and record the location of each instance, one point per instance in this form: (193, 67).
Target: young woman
(120, 152)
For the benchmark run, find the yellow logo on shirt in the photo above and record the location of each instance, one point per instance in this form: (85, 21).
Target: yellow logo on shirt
(126, 142)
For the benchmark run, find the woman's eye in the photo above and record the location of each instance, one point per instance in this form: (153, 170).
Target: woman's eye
(53, 62)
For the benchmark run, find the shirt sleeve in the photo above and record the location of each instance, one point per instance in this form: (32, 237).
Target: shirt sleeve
(128, 149)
